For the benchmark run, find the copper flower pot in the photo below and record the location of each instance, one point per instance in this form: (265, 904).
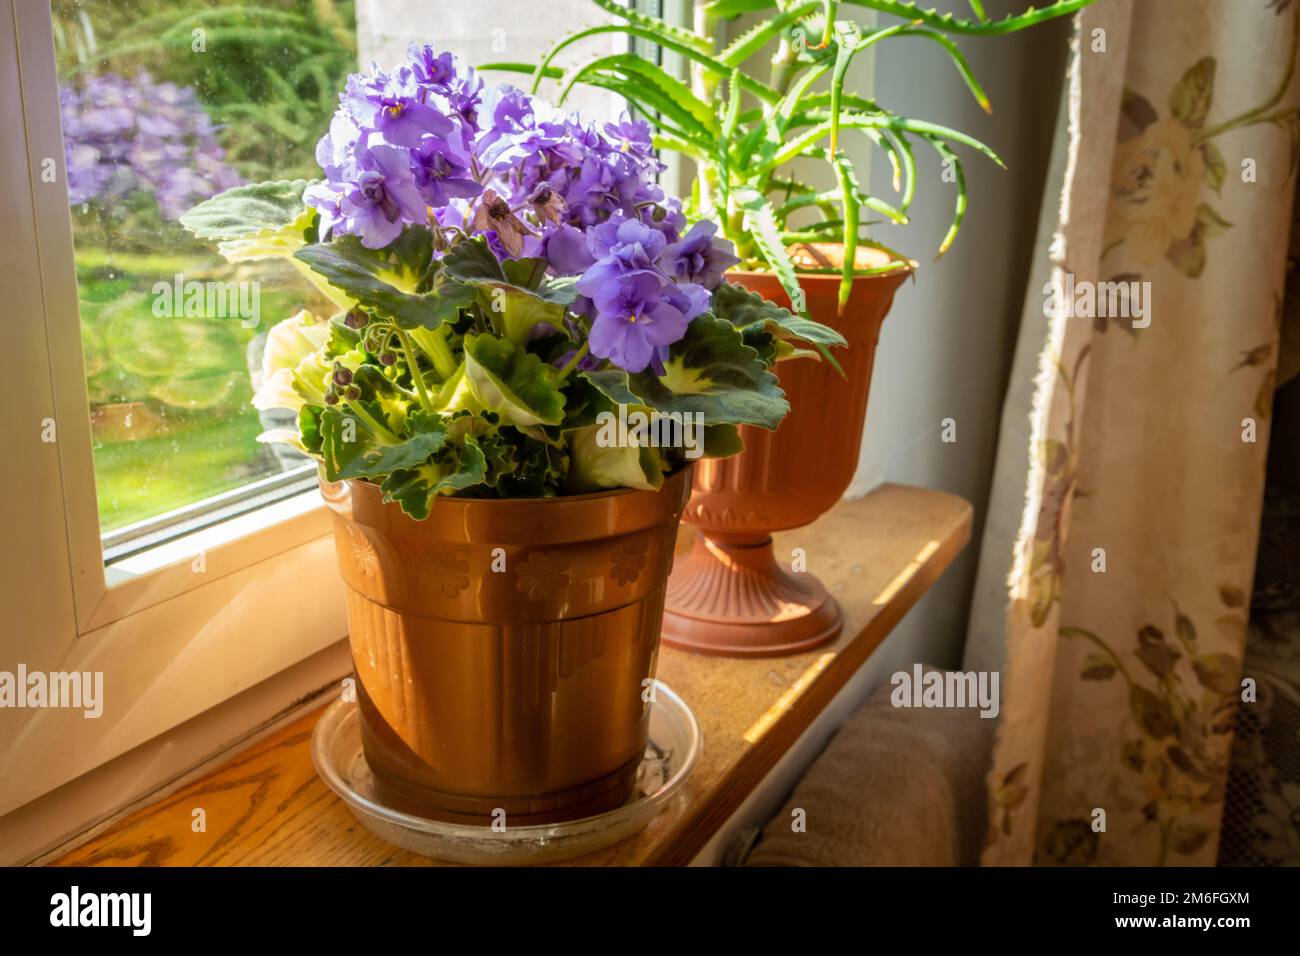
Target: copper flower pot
(502, 647)
(731, 595)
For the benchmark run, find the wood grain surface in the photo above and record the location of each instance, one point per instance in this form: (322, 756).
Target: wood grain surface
(877, 555)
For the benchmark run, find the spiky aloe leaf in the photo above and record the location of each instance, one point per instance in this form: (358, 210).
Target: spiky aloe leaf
(660, 28)
(959, 175)
(848, 198)
(704, 58)
(754, 39)
(953, 24)
(671, 117)
(635, 68)
(761, 224)
(728, 9)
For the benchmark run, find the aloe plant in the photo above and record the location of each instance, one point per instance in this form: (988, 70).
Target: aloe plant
(744, 130)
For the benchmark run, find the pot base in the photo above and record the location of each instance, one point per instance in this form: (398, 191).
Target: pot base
(670, 754)
(731, 598)
(597, 796)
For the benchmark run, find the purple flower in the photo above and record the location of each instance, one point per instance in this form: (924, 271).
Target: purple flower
(392, 104)
(327, 201)
(633, 319)
(443, 74)
(441, 168)
(567, 251)
(699, 256)
(432, 69)
(621, 247)
(383, 198)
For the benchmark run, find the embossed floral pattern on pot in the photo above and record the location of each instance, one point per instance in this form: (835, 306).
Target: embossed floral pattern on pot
(544, 575)
(629, 560)
(364, 555)
(447, 573)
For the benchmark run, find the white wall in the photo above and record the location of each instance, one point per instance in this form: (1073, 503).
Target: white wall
(483, 31)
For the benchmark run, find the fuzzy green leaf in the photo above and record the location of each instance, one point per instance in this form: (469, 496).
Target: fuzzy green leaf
(748, 311)
(400, 281)
(455, 469)
(514, 383)
(711, 371)
(427, 434)
(247, 211)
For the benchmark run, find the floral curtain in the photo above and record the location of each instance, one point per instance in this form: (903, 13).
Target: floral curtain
(1132, 545)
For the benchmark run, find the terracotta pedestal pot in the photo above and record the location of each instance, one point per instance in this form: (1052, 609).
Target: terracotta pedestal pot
(502, 647)
(731, 595)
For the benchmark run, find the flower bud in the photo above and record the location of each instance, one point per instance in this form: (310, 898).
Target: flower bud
(356, 319)
(342, 376)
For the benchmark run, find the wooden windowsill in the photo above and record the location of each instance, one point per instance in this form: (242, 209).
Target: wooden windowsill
(877, 555)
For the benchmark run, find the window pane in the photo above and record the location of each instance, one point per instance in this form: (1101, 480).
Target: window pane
(165, 103)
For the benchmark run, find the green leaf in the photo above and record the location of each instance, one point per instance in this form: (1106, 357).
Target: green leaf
(1216, 170)
(400, 281)
(595, 465)
(701, 54)
(748, 311)
(427, 434)
(514, 383)
(516, 294)
(722, 441)
(247, 211)
(710, 372)
(344, 437)
(661, 28)
(959, 209)
(1191, 98)
(729, 9)
(755, 38)
(309, 417)
(636, 69)
(760, 222)
(844, 174)
(456, 469)
(953, 24)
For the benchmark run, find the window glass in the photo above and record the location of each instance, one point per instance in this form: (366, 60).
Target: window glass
(165, 103)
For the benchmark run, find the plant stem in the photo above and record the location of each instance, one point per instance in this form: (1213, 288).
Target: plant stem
(413, 363)
(434, 344)
(572, 363)
(384, 436)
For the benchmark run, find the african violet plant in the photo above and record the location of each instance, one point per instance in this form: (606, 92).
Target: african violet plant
(744, 129)
(504, 273)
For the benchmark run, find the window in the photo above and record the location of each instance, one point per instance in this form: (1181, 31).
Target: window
(128, 427)
(148, 535)
(164, 104)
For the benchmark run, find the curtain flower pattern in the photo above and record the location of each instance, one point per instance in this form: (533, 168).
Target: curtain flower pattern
(1136, 552)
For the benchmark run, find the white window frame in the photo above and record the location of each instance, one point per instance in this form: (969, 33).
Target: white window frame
(171, 641)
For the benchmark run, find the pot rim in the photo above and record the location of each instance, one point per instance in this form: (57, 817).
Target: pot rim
(890, 255)
(587, 496)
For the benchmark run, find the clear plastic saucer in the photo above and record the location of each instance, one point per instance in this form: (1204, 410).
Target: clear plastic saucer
(671, 752)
